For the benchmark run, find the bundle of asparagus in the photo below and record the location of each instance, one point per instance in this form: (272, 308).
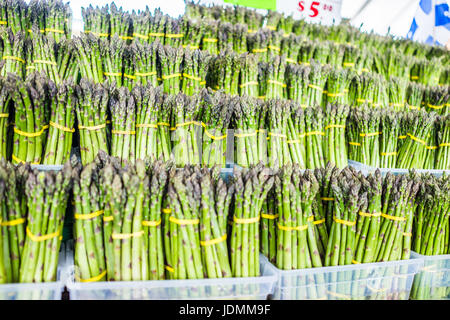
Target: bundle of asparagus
(5, 117)
(66, 60)
(258, 43)
(436, 99)
(443, 151)
(363, 135)
(414, 95)
(197, 224)
(173, 33)
(411, 153)
(274, 77)
(140, 66)
(13, 214)
(58, 20)
(47, 196)
(14, 54)
(120, 23)
(426, 71)
(317, 80)
(216, 118)
(157, 26)
(362, 90)
(112, 53)
(193, 34)
(295, 134)
(432, 144)
(88, 53)
(278, 112)
(337, 86)
(123, 118)
(31, 104)
(97, 20)
(141, 25)
(91, 110)
(14, 15)
(41, 56)
(248, 76)
(195, 68)
(390, 131)
(430, 236)
(290, 47)
(297, 77)
(251, 188)
(397, 93)
(335, 145)
(61, 124)
(314, 133)
(240, 32)
(171, 68)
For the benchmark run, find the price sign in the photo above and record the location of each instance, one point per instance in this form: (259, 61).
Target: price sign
(321, 11)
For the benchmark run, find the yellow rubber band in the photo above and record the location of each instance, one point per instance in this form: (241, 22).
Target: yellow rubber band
(60, 127)
(98, 34)
(189, 123)
(211, 40)
(312, 86)
(129, 76)
(125, 236)
(252, 31)
(141, 36)
(3, 22)
(112, 74)
(163, 124)
(170, 76)
(246, 221)
(397, 104)
(415, 78)
(167, 210)
(4, 115)
(147, 125)
(259, 50)
(274, 48)
(13, 58)
(93, 128)
(273, 28)
(277, 83)
(345, 222)
(407, 234)
(269, 216)
(431, 147)
(355, 262)
(54, 30)
(392, 217)
(187, 76)
(312, 133)
(244, 135)
(88, 216)
(356, 144)
(298, 228)
(335, 126)
(248, 84)
(435, 107)
(416, 139)
(402, 137)
(45, 62)
(93, 279)
(30, 134)
(145, 74)
(367, 214)
(278, 135)
(126, 37)
(327, 199)
(12, 223)
(371, 134)
(306, 64)
(151, 223)
(123, 132)
(156, 34)
(446, 144)
(170, 269)
(319, 222)
(213, 241)
(214, 137)
(365, 70)
(174, 35)
(387, 154)
(21, 161)
(348, 64)
(183, 222)
(41, 238)
(363, 101)
(414, 107)
(291, 60)
(340, 94)
(108, 218)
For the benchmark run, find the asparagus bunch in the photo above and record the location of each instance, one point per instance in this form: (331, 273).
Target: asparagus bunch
(278, 150)
(171, 68)
(258, 44)
(14, 54)
(97, 20)
(216, 117)
(123, 116)
(193, 34)
(223, 72)
(430, 235)
(141, 25)
(335, 145)
(157, 26)
(195, 68)
(14, 15)
(337, 86)
(113, 53)
(297, 77)
(443, 151)
(120, 23)
(427, 71)
(248, 76)
(240, 32)
(251, 188)
(314, 133)
(5, 119)
(290, 47)
(58, 20)
(390, 131)
(432, 144)
(31, 101)
(362, 90)
(411, 153)
(66, 60)
(41, 57)
(397, 93)
(363, 135)
(91, 110)
(274, 77)
(199, 202)
(140, 65)
(317, 80)
(174, 34)
(436, 99)
(13, 214)
(414, 95)
(88, 53)
(47, 196)
(61, 124)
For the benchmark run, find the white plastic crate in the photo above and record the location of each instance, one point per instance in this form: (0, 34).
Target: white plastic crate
(368, 169)
(37, 291)
(433, 280)
(255, 288)
(369, 281)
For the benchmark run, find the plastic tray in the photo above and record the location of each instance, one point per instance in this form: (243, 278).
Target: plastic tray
(255, 288)
(369, 281)
(37, 291)
(433, 280)
(368, 169)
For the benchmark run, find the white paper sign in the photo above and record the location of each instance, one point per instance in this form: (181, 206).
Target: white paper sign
(321, 11)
